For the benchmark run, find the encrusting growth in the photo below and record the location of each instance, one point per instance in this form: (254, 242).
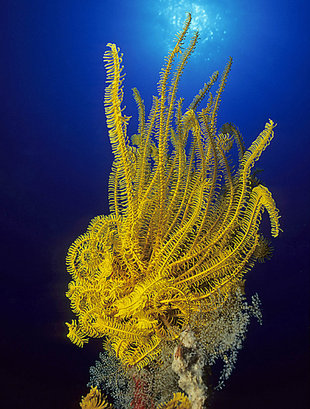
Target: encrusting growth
(183, 227)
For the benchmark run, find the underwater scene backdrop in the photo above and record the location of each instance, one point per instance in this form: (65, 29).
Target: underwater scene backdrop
(56, 160)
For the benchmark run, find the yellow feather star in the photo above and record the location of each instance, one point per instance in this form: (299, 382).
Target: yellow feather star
(183, 228)
(179, 401)
(94, 400)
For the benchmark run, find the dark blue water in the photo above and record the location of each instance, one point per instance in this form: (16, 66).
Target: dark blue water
(56, 157)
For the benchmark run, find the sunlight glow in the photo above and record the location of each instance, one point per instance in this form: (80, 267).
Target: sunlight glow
(209, 18)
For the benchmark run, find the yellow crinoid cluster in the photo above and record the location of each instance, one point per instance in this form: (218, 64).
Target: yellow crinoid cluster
(95, 400)
(183, 227)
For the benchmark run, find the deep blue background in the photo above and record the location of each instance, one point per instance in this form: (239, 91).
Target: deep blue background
(56, 157)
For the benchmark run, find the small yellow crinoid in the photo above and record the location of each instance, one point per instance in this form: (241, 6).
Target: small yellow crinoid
(94, 400)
